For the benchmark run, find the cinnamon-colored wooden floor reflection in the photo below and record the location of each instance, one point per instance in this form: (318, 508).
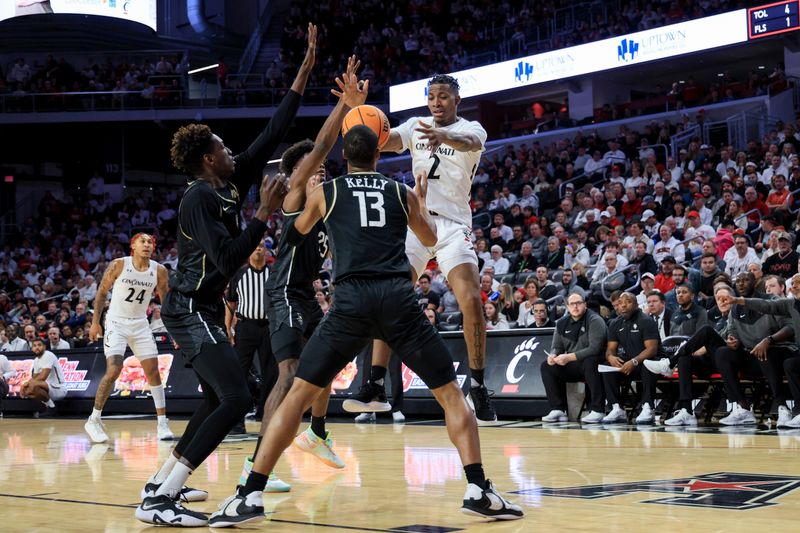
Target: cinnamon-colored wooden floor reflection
(408, 478)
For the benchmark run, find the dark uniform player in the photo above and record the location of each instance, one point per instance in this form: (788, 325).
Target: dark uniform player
(247, 324)
(367, 216)
(211, 247)
(294, 312)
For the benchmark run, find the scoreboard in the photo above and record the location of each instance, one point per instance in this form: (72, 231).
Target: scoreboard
(773, 19)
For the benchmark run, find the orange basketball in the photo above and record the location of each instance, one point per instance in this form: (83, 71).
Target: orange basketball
(371, 117)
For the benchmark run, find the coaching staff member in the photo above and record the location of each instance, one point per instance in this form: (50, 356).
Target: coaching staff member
(632, 339)
(211, 248)
(247, 324)
(578, 343)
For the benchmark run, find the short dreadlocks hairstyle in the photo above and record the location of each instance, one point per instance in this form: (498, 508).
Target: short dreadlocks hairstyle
(189, 145)
(444, 79)
(295, 153)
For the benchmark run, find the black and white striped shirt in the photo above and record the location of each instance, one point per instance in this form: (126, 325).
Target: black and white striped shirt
(248, 289)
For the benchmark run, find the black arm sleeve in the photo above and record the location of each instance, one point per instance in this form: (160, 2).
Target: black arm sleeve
(250, 163)
(202, 222)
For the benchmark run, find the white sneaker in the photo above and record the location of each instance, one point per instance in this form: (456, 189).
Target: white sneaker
(659, 367)
(276, 484)
(595, 417)
(681, 418)
(239, 509)
(784, 416)
(794, 422)
(488, 503)
(163, 432)
(646, 416)
(616, 415)
(555, 415)
(739, 416)
(398, 417)
(94, 427)
(365, 418)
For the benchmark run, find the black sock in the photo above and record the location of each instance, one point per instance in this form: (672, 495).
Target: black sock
(318, 426)
(477, 375)
(258, 445)
(376, 374)
(475, 474)
(255, 481)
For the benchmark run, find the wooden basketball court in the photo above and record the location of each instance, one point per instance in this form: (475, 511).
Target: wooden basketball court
(408, 478)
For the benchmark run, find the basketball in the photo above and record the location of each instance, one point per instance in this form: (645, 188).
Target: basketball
(371, 117)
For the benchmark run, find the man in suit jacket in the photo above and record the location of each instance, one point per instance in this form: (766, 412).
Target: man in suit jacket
(657, 308)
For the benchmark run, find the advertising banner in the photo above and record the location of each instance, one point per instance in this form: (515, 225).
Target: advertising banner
(512, 369)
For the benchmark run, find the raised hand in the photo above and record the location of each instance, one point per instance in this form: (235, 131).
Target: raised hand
(311, 51)
(351, 91)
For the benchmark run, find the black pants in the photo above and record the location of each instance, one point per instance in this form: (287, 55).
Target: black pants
(556, 377)
(690, 365)
(226, 400)
(705, 336)
(395, 374)
(613, 380)
(3, 390)
(730, 362)
(253, 336)
(792, 368)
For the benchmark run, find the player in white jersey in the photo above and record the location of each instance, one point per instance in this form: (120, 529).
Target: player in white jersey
(447, 148)
(132, 280)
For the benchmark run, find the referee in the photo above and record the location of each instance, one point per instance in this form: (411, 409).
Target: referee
(247, 325)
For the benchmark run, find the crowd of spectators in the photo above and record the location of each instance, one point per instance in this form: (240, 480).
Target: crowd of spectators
(405, 41)
(130, 82)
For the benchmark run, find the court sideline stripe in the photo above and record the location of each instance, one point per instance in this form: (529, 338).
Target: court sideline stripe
(65, 500)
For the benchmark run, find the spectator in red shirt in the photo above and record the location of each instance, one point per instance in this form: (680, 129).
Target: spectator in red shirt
(633, 206)
(779, 193)
(752, 201)
(664, 281)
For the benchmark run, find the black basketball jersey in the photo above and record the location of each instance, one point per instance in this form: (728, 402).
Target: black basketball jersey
(367, 220)
(298, 265)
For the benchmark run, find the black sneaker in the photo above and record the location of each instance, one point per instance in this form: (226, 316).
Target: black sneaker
(238, 429)
(187, 494)
(488, 503)
(164, 511)
(371, 398)
(239, 509)
(478, 400)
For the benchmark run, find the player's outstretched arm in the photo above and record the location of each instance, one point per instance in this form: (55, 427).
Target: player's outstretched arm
(352, 94)
(394, 144)
(419, 219)
(462, 142)
(250, 162)
(109, 277)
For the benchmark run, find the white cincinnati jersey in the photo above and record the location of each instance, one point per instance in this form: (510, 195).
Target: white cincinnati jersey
(132, 291)
(450, 172)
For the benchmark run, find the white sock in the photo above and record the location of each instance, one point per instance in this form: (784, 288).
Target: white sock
(96, 414)
(166, 468)
(158, 396)
(175, 481)
(616, 406)
(162, 418)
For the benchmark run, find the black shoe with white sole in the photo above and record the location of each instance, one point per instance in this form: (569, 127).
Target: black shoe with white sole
(164, 511)
(371, 398)
(487, 503)
(241, 508)
(187, 494)
(478, 400)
